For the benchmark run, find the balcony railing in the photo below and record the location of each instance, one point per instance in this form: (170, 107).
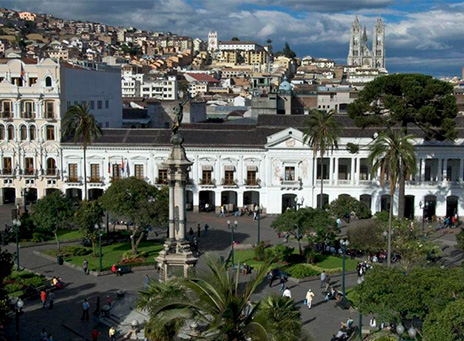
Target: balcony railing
(161, 181)
(115, 178)
(229, 182)
(29, 172)
(6, 171)
(95, 179)
(207, 182)
(72, 179)
(7, 114)
(50, 116)
(254, 182)
(28, 115)
(52, 172)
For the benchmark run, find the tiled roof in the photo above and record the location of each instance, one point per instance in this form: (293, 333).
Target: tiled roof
(202, 77)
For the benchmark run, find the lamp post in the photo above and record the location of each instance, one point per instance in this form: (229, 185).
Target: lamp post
(99, 228)
(344, 243)
(24, 193)
(422, 206)
(18, 306)
(17, 224)
(399, 331)
(231, 227)
(258, 217)
(360, 282)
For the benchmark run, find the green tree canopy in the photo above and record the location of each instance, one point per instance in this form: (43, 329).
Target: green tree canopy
(404, 99)
(6, 264)
(235, 39)
(53, 212)
(287, 51)
(143, 204)
(346, 204)
(366, 235)
(447, 324)
(89, 214)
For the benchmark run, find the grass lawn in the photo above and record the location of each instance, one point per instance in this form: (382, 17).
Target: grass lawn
(112, 254)
(65, 235)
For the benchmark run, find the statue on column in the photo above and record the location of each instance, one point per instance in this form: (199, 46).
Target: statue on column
(179, 115)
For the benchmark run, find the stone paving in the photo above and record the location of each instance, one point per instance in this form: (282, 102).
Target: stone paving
(321, 321)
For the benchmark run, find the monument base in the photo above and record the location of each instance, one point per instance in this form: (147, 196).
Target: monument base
(175, 260)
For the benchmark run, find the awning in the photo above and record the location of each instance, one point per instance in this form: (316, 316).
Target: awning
(207, 167)
(229, 168)
(252, 168)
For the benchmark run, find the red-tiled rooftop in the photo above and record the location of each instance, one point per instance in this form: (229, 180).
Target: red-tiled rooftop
(202, 77)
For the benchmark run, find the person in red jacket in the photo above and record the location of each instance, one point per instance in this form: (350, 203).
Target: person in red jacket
(95, 334)
(43, 298)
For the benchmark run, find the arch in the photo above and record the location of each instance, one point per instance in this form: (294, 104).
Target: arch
(229, 199)
(49, 191)
(251, 198)
(9, 195)
(51, 166)
(32, 132)
(452, 205)
(48, 81)
(11, 132)
(95, 193)
(367, 200)
(409, 206)
(288, 202)
(385, 202)
(430, 207)
(23, 132)
(74, 193)
(31, 196)
(2, 132)
(325, 200)
(343, 195)
(207, 201)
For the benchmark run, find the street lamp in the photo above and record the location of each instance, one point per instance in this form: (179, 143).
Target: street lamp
(18, 306)
(344, 244)
(412, 332)
(258, 217)
(360, 281)
(231, 227)
(422, 206)
(17, 224)
(99, 228)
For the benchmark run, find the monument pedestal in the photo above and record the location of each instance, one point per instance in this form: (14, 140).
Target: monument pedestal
(176, 261)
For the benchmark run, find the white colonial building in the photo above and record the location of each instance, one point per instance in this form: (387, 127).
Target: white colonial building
(33, 99)
(267, 164)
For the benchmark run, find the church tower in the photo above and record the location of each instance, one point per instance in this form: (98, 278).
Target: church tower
(212, 41)
(355, 53)
(378, 44)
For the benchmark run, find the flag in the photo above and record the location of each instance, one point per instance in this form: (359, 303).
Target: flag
(109, 168)
(23, 73)
(122, 165)
(128, 167)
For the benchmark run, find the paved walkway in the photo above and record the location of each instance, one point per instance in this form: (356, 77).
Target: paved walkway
(321, 321)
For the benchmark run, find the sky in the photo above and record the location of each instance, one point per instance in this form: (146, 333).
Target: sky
(423, 36)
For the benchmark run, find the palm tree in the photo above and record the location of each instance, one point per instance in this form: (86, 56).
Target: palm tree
(393, 153)
(322, 134)
(219, 303)
(82, 125)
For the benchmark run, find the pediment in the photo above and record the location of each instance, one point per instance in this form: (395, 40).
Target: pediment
(289, 138)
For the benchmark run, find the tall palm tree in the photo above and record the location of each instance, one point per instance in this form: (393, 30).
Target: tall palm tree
(80, 124)
(219, 303)
(321, 134)
(393, 153)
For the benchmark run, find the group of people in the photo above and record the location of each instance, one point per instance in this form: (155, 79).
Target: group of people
(192, 233)
(47, 297)
(346, 329)
(362, 268)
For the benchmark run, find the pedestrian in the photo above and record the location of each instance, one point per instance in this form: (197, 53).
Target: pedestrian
(323, 278)
(43, 335)
(206, 230)
(112, 333)
(43, 298)
(199, 230)
(108, 301)
(191, 233)
(85, 266)
(255, 212)
(270, 277)
(287, 293)
(282, 283)
(223, 211)
(147, 281)
(50, 337)
(94, 335)
(114, 270)
(97, 304)
(85, 310)
(51, 298)
(309, 298)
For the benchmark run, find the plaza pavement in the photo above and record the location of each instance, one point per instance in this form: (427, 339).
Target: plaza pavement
(320, 322)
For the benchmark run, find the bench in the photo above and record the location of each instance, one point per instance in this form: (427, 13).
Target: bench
(123, 269)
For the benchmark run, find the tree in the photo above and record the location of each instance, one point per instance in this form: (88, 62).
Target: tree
(366, 235)
(52, 213)
(6, 264)
(344, 205)
(322, 133)
(143, 204)
(287, 51)
(89, 215)
(447, 324)
(407, 100)
(80, 124)
(392, 153)
(218, 302)
(235, 39)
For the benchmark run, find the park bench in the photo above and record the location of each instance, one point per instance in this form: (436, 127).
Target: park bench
(123, 269)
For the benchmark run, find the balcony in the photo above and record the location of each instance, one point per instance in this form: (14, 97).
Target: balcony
(115, 178)
(28, 115)
(7, 115)
(73, 180)
(52, 173)
(229, 183)
(207, 182)
(252, 183)
(161, 181)
(29, 172)
(291, 184)
(6, 172)
(50, 117)
(94, 179)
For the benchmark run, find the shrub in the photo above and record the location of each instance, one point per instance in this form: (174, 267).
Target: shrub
(38, 237)
(259, 250)
(69, 251)
(282, 253)
(460, 240)
(128, 255)
(35, 281)
(345, 204)
(12, 287)
(18, 293)
(301, 271)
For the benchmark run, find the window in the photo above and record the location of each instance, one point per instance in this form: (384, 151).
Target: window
(2, 132)
(49, 110)
(29, 166)
(94, 172)
(163, 176)
(99, 104)
(206, 177)
(107, 104)
(28, 109)
(84, 103)
(50, 131)
(6, 109)
(51, 167)
(289, 173)
(68, 104)
(92, 105)
(32, 81)
(18, 81)
(23, 133)
(7, 166)
(364, 172)
(229, 177)
(251, 177)
(116, 172)
(139, 172)
(107, 124)
(72, 171)
(32, 133)
(48, 81)
(10, 132)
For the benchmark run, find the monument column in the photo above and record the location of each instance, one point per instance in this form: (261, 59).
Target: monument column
(182, 218)
(172, 222)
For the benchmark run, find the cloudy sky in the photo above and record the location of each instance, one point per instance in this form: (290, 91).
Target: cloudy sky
(421, 35)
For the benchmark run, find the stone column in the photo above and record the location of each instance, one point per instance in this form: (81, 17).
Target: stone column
(180, 189)
(422, 170)
(331, 174)
(445, 170)
(358, 170)
(172, 222)
(352, 171)
(336, 171)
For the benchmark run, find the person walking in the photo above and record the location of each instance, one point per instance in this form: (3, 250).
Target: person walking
(112, 333)
(206, 230)
(85, 310)
(85, 266)
(270, 277)
(147, 282)
(199, 230)
(323, 278)
(282, 283)
(51, 298)
(309, 298)
(94, 335)
(191, 234)
(223, 211)
(287, 293)
(43, 298)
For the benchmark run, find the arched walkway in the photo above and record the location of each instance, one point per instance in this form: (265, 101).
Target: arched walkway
(207, 200)
(385, 202)
(452, 205)
(325, 200)
(250, 198)
(9, 195)
(409, 206)
(95, 193)
(430, 207)
(74, 193)
(367, 200)
(288, 202)
(229, 199)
